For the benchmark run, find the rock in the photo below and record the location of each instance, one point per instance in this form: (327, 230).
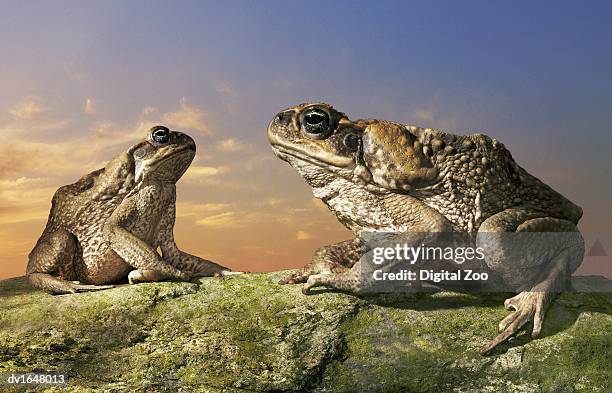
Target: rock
(246, 333)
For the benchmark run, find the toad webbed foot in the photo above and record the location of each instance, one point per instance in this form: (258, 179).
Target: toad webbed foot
(301, 276)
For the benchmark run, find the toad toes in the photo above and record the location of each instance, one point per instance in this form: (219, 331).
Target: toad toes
(108, 225)
(407, 181)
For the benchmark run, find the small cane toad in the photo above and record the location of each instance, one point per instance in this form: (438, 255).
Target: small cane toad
(109, 224)
(380, 176)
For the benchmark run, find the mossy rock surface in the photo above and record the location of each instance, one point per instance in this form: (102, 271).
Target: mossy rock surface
(246, 333)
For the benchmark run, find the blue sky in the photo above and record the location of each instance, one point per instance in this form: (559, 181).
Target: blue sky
(536, 75)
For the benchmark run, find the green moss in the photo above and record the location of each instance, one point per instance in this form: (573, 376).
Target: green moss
(584, 353)
(433, 349)
(389, 349)
(249, 333)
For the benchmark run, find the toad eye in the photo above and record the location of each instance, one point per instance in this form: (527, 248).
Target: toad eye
(316, 123)
(160, 134)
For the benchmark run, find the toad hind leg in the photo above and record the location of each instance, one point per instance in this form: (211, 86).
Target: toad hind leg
(51, 265)
(560, 255)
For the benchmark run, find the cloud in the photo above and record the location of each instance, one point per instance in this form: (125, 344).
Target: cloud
(226, 220)
(27, 109)
(232, 219)
(432, 118)
(274, 201)
(75, 73)
(89, 107)
(319, 204)
(30, 156)
(189, 209)
(11, 247)
(19, 183)
(224, 89)
(147, 110)
(256, 162)
(14, 207)
(91, 147)
(57, 159)
(302, 235)
(230, 145)
(252, 247)
(187, 118)
(424, 116)
(205, 171)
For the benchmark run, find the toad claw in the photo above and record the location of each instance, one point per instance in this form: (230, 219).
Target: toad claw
(316, 280)
(294, 278)
(525, 306)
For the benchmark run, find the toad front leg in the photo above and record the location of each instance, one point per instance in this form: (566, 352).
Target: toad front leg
(133, 250)
(425, 223)
(335, 258)
(538, 260)
(172, 255)
(360, 278)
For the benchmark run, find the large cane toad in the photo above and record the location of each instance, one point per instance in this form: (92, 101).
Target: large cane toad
(379, 176)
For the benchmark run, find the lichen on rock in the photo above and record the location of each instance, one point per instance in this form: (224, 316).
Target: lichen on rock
(247, 333)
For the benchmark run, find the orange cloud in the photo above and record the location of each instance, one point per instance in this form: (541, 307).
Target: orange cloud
(26, 110)
(14, 207)
(226, 220)
(302, 235)
(319, 204)
(89, 107)
(274, 201)
(423, 115)
(190, 209)
(229, 145)
(430, 118)
(196, 171)
(188, 117)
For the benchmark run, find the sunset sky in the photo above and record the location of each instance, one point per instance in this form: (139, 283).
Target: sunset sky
(82, 81)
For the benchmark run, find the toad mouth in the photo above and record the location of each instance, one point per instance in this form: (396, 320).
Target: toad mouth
(324, 160)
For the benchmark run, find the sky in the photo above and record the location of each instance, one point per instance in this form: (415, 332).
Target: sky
(82, 81)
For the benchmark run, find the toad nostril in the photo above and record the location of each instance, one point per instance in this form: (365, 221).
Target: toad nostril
(283, 117)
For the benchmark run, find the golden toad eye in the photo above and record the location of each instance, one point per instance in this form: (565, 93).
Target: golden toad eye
(160, 134)
(316, 123)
